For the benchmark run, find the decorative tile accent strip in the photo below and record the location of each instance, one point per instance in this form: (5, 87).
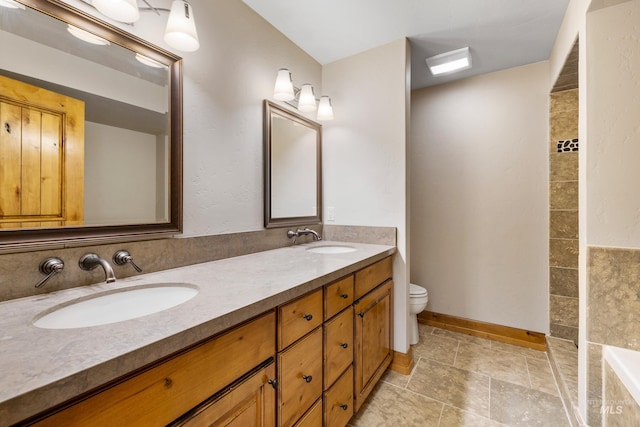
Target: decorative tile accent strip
(568, 145)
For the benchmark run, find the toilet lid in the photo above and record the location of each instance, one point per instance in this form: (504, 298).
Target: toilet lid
(416, 290)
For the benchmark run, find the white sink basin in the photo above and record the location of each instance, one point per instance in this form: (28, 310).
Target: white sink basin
(331, 249)
(116, 306)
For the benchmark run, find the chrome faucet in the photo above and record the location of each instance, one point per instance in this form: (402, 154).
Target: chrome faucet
(307, 230)
(91, 261)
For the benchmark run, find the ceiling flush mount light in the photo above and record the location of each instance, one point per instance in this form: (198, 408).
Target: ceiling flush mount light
(86, 36)
(302, 98)
(181, 28)
(450, 62)
(118, 10)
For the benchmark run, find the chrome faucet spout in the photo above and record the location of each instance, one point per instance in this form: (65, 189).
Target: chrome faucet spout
(307, 230)
(91, 261)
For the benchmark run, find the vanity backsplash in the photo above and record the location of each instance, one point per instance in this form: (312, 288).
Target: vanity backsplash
(19, 272)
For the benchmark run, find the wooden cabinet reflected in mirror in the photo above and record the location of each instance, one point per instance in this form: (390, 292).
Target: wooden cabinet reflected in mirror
(91, 137)
(293, 172)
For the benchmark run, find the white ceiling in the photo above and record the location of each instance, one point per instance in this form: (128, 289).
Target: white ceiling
(500, 33)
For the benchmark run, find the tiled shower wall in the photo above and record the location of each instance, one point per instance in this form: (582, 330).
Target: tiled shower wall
(613, 318)
(563, 215)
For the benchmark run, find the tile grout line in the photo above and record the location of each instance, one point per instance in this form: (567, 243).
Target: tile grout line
(526, 363)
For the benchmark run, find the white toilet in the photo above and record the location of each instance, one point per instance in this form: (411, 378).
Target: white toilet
(418, 298)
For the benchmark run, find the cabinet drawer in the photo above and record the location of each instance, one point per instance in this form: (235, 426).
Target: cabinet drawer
(338, 346)
(338, 401)
(370, 277)
(163, 393)
(313, 417)
(338, 296)
(299, 317)
(299, 377)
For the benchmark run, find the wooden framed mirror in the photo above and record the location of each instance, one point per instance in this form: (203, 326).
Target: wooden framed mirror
(292, 168)
(110, 167)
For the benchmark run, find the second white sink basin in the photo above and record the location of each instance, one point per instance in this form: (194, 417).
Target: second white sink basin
(116, 306)
(331, 249)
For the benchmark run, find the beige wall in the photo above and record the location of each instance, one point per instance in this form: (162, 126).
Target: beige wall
(364, 153)
(479, 216)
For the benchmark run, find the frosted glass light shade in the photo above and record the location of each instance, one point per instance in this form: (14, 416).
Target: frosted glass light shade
(307, 101)
(86, 36)
(181, 31)
(325, 110)
(118, 10)
(283, 90)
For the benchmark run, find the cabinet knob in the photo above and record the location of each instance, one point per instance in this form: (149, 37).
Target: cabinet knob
(345, 296)
(361, 314)
(274, 383)
(344, 345)
(308, 317)
(344, 406)
(307, 378)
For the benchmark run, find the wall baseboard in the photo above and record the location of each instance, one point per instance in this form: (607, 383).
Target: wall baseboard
(402, 362)
(506, 334)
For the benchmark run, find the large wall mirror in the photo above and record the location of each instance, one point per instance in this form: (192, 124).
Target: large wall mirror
(293, 173)
(90, 130)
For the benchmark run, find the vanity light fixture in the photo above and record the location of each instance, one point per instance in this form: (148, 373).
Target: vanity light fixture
(450, 62)
(302, 98)
(86, 36)
(180, 31)
(11, 4)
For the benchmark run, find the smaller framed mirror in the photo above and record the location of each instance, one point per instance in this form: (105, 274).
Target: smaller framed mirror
(292, 168)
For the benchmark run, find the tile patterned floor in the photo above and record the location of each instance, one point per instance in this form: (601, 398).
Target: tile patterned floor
(460, 380)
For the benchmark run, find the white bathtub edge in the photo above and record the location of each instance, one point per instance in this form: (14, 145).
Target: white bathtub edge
(626, 364)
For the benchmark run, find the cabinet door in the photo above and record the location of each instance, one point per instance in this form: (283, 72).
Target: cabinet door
(251, 403)
(374, 339)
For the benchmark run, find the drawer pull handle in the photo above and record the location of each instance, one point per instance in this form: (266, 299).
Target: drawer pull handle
(308, 317)
(307, 378)
(274, 384)
(344, 345)
(345, 296)
(344, 406)
(361, 314)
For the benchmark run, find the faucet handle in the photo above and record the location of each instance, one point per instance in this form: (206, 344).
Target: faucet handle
(124, 257)
(49, 267)
(293, 234)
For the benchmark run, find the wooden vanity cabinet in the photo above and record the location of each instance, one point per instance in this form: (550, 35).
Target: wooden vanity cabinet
(373, 314)
(165, 391)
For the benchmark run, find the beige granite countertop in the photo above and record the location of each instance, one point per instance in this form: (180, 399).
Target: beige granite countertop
(40, 368)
